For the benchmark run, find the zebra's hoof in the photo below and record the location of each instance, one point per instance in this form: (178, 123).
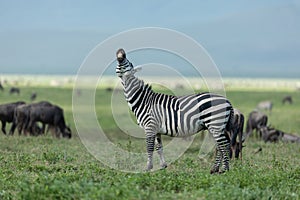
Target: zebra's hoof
(164, 166)
(223, 171)
(149, 167)
(214, 170)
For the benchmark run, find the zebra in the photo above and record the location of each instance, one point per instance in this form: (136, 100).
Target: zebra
(174, 116)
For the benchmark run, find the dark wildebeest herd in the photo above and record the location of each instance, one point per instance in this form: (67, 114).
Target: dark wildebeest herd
(258, 122)
(32, 119)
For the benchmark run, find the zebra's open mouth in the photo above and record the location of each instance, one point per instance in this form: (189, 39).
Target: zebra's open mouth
(123, 64)
(121, 55)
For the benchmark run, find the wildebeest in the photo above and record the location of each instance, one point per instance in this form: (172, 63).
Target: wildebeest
(265, 105)
(78, 92)
(7, 113)
(109, 89)
(14, 90)
(287, 99)
(22, 116)
(236, 129)
(1, 87)
(51, 115)
(275, 135)
(271, 134)
(256, 121)
(33, 96)
(21, 113)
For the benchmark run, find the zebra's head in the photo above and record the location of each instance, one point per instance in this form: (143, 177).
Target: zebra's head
(124, 66)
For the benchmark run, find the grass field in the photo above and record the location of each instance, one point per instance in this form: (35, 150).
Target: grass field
(48, 168)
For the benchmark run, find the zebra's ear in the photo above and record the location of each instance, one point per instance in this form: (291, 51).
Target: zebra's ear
(137, 69)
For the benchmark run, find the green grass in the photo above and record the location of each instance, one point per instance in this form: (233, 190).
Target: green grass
(43, 168)
(48, 168)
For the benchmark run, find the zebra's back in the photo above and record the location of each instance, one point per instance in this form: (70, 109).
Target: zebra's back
(187, 115)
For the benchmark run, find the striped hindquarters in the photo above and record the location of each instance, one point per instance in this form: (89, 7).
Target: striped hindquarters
(190, 114)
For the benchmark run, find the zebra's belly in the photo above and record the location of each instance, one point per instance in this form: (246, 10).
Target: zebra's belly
(194, 128)
(183, 130)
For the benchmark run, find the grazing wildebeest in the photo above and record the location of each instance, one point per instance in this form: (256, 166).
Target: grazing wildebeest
(78, 92)
(265, 105)
(1, 87)
(109, 89)
(287, 99)
(271, 134)
(51, 115)
(21, 118)
(14, 90)
(275, 135)
(235, 130)
(256, 121)
(33, 96)
(21, 113)
(7, 113)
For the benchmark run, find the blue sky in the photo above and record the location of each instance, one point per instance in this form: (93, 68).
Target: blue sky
(244, 38)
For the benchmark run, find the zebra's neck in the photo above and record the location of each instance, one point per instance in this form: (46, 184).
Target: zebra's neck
(137, 93)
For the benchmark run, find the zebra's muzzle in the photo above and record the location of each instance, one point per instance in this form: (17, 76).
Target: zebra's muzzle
(124, 65)
(121, 55)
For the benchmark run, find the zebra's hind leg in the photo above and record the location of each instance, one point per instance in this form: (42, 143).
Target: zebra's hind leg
(159, 149)
(223, 148)
(225, 157)
(218, 160)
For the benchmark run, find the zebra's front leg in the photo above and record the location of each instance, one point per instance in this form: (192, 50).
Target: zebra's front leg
(159, 149)
(150, 140)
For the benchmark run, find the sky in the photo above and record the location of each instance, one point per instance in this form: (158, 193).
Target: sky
(244, 38)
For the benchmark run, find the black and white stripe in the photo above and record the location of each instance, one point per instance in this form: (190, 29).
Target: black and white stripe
(175, 116)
